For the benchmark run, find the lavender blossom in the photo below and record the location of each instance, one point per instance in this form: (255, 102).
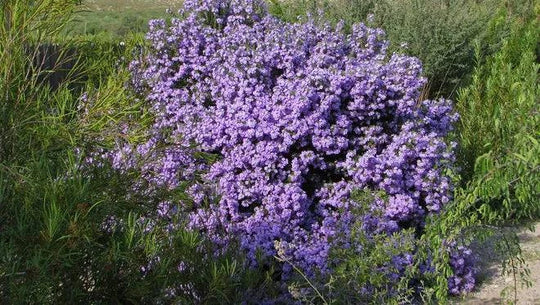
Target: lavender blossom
(299, 115)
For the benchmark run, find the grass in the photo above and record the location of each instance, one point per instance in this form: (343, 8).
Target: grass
(139, 5)
(120, 17)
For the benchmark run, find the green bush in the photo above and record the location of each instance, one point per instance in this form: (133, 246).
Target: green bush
(439, 32)
(499, 158)
(500, 127)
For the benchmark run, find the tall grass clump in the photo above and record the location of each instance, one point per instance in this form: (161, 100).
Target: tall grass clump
(34, 134)
(23, 27)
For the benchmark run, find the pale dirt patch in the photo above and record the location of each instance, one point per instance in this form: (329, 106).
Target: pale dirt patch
(493, 283)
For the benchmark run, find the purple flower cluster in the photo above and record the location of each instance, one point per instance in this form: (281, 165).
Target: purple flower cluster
(462, 263)
(299, 115)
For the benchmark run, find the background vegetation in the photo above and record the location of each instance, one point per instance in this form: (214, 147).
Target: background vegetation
(53, 246)
(443, 34)
(119, 17)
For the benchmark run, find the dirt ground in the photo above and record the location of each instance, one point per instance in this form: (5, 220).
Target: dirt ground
(494, 285)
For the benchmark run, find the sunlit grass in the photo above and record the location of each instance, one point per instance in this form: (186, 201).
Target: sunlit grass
(120, 17)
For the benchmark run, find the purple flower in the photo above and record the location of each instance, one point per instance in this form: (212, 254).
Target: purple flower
(298, 115)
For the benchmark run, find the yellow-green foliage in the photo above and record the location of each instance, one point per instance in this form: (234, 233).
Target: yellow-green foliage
(23, 26)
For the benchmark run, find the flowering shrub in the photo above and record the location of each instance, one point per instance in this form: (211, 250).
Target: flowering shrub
(298, 115)
(461, 261)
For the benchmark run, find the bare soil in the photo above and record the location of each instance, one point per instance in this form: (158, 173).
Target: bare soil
(497, 288)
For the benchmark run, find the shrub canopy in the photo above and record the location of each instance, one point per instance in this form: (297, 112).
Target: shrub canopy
(298, 115)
